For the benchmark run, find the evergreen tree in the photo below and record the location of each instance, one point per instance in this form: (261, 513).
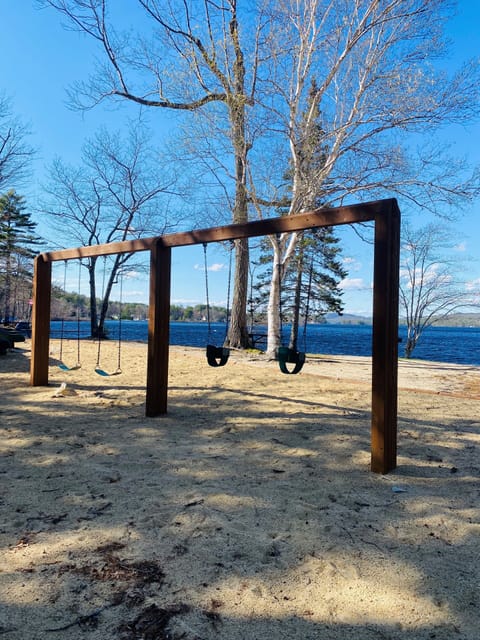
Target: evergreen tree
(312, 280)
(17, 242)
(313, 275)
(310, 284)
(309, 279)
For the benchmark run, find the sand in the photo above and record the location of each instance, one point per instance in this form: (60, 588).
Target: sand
(248, 512)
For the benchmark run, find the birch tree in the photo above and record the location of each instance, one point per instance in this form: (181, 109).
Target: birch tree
(378, 89)
(381, 96)
(430, 286)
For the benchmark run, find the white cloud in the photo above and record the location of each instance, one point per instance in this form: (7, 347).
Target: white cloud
(134, 294)
(133, 274)
(473, 285)
(462, 246)
(185, 301)
(355, 284)
(352, 264)
(217, 266)
(434, 275)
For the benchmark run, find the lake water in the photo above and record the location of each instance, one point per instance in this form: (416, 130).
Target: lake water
(442, 344)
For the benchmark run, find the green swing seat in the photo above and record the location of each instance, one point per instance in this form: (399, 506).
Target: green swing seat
(65, 367)
(101, 372)
(290, 356)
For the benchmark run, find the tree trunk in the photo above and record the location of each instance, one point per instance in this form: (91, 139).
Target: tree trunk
(273, 310)
(409, 347)
(412, 338)
(238, 334)
(8, 287)
(93, 297)
(296, 303)
(106, 293)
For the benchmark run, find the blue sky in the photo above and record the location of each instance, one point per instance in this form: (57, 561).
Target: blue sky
(40, 59)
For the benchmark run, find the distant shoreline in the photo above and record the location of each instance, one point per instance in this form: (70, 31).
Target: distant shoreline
(442, 344)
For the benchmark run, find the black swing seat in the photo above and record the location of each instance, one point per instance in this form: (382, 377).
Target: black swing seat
(217, 356)
(290, 356)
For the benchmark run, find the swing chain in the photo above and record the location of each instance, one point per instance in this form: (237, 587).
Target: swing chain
(62, 326)
(119, 357)
(307, 305)
(206, 289)
(78, 364)
(98, 369)
(232, 246)
(216, 356)
(285, 354)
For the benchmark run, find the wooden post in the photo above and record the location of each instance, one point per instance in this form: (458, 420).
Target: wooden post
(386, 215)
(158, 330)
(385, 339)
(42, 284)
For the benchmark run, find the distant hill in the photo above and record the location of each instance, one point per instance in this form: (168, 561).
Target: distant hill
(455, 320)
(460, 320)
(346, 318)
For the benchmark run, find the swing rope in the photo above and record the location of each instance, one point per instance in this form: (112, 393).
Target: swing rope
(97, 365)
(216, 356)
(62, 326)
(78, 365)
(120, 307)
(307, 305)
(98, 369)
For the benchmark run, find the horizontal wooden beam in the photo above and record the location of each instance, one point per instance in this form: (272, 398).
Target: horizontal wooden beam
(112, 248)
(286, 224)
(308, 220)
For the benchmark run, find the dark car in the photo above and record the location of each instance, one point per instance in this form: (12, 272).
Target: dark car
(25, 328)
(8, 337)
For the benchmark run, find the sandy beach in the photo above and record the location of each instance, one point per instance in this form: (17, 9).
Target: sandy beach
(248, 512)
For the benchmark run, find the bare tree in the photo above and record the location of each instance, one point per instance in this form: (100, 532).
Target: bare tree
(195, 60)
(368, 72)
(379, 89)
(118, 192)
(15, 153)
(430, 289)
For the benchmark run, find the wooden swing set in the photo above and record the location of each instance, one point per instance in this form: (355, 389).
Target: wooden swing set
(386, 217)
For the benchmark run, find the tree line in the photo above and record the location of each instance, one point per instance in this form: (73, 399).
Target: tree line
(69, 306)
(281, 107)
(284, 106)
(429, 294)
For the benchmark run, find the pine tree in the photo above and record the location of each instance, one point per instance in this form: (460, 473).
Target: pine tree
(17, 239)
(310, 279)
(313, 276)
(310, 285)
